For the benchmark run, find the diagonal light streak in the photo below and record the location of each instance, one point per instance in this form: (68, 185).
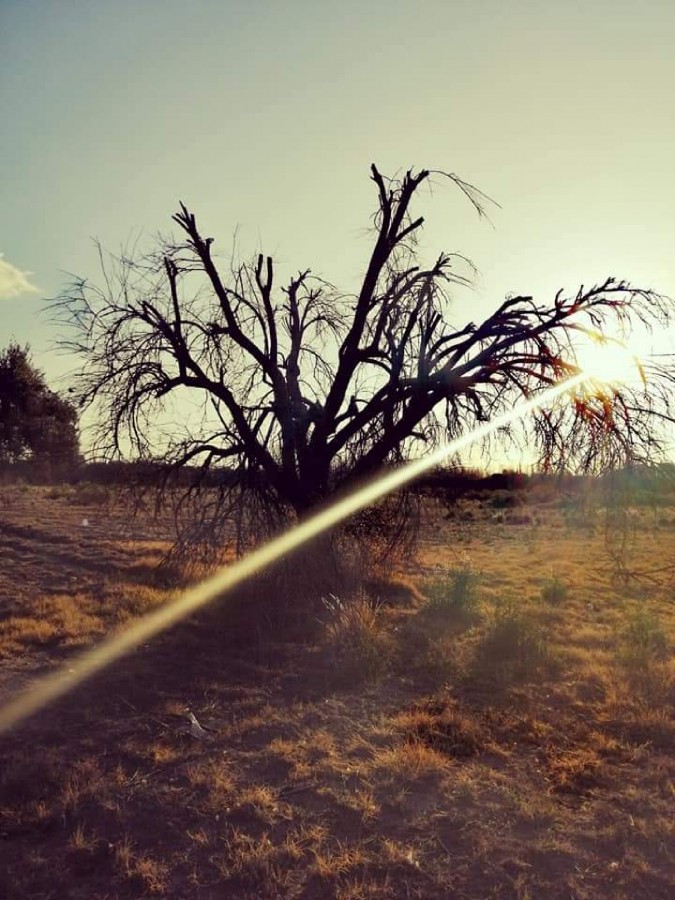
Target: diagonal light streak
(52, 686)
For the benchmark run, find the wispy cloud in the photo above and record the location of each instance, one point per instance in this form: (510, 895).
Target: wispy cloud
(13, 281)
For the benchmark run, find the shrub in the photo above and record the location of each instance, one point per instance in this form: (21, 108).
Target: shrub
(355, 637)
(505, 500)
(456, 595)
(440, 723)
(514, 644)
(643, 640)
(521, 519)
(554, 591)
(87, 493)
(424, 653)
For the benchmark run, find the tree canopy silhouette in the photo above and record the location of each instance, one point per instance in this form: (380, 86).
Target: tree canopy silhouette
(304, 388)
(36, 425)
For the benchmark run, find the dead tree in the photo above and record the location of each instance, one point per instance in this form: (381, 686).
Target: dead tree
(301, 390)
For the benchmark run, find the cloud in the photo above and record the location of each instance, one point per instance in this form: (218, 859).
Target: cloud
(13, 281)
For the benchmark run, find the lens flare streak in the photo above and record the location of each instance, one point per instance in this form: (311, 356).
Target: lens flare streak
(55, 685)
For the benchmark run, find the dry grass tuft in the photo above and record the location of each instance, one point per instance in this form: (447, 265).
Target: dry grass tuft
(356, 639)
(142, 871)
(446, 728)
(408, 761)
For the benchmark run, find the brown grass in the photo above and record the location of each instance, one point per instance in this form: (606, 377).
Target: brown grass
(518, 744)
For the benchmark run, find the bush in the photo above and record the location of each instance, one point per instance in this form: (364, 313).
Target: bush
(514, 644)
(455, 596)
(521, 519)
(554, 591)
(505, 500)
(643, 641)
(85, 493)
(356, 640)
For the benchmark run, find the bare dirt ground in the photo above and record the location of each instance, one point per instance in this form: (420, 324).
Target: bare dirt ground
(501, 726)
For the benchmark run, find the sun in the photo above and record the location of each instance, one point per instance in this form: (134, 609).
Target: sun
(608, 360)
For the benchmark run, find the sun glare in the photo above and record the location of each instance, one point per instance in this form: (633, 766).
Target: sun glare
(607, 360)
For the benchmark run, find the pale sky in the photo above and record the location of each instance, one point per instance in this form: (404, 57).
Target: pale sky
(266, 116)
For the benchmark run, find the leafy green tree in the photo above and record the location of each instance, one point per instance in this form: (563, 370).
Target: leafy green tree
(36, 424)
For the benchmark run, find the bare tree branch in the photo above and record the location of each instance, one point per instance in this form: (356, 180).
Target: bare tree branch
(308, 388)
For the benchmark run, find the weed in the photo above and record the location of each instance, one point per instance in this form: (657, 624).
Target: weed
(514, 643)
(521, 519)
(212, 783)
(83, 841)
(263, 802)
(642, 640)
(151, 875)
(409, 761)
(505, 500)
(87, 493)
(554, 591)
(356, 638)
(123, 853)
(147, 873)
(58, 492)
(455, 596)
(445, 728)
(579, 514)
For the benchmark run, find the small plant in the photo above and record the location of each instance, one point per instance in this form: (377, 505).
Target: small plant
(505, 500)
(354, 633)
(643, 641)
(58, 492)
(521, 519)
(456, 595)
(88, 493)
(514, 644)
(445, 727)
(554, 590)
(83, 841)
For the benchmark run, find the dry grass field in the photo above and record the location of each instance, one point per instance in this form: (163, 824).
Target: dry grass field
(496, 721)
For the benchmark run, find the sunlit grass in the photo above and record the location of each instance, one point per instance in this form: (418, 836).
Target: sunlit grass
(432, 778)
(52, 687)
